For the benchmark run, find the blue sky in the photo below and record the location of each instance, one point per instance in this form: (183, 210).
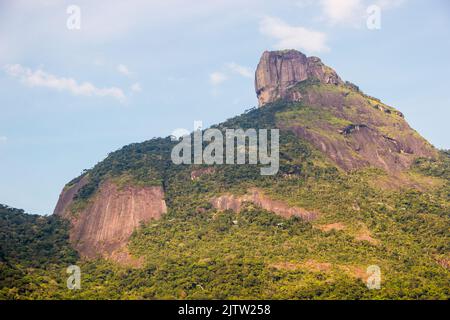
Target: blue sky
(140, 69)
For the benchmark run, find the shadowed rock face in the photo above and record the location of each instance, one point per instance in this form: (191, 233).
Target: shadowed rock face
(278, 71)
(104, 226)
(255, 196)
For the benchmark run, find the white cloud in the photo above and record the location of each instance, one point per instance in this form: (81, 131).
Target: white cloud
(290, 37)
(241, 70)
(353, 12)
(123, 69)
(343, 11)
(104, 20)
(217, 78)
(136, 87)
(40, 78)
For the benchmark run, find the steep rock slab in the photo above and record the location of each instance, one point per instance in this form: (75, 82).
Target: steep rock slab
(103, 227)
(278, 71)
(355, 131)
(255, 196)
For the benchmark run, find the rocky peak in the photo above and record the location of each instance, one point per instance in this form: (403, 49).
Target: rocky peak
(278, 71)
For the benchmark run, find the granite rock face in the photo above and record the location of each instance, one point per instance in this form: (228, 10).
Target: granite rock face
(279, 71)
(104, 225)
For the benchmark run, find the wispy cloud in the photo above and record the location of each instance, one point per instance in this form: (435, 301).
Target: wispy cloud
(136, 87)
(123, 69)
(216, 78)
(343, 11)
(293, 37)
(40, 78)
(240, 70)
(228, 70)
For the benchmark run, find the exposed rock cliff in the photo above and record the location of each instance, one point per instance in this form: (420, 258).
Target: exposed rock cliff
(103, 226)
(278, 71)
(354, 130)
(257, 197)
(67, 195)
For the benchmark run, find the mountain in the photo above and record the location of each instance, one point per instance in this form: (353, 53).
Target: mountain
(354, 130)
(356, 187)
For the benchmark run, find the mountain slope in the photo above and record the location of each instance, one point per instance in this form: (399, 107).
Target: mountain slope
(300, 95)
